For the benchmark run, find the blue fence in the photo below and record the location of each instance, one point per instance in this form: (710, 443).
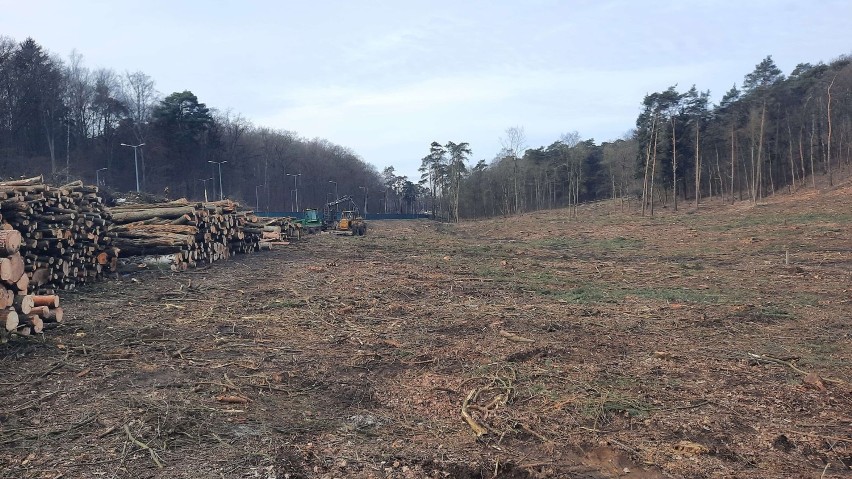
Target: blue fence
(369, 216)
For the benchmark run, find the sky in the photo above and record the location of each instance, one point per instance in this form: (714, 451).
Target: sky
(387, 78)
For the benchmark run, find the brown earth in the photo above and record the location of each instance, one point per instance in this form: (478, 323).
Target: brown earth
(709, 344)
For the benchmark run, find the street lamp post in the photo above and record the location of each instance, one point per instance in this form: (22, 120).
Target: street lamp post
(98, 175)
(365, 199)
(204, 182)
(221, 195)
(295, 191)
(135, 162)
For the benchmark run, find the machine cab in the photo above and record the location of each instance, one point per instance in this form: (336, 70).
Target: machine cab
(346, 218)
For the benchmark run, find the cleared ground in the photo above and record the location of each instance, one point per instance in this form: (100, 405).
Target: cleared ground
(604, 346)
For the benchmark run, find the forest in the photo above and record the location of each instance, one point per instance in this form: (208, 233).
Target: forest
(772, 132)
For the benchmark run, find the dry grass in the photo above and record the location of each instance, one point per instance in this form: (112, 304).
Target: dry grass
(581, 347)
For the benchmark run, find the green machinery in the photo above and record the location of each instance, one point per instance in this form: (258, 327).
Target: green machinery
(311, 222)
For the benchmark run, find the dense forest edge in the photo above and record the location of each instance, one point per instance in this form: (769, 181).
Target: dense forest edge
(772, 133)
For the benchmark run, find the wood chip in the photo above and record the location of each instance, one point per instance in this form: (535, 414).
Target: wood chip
(813, 380)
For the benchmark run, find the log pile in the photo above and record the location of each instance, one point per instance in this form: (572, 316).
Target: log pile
(63, 234)
(275, 231)
(54, 238)
(188, 234)
(21, 313)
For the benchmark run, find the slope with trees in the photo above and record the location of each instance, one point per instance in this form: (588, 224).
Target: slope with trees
(61, 118)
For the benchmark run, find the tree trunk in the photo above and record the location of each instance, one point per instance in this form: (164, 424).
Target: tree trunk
(733, 163)
(792, 157)
(674, 165)
(647, 166)
(828, 140)
(813, 132)
(653, 174)
(697, 168)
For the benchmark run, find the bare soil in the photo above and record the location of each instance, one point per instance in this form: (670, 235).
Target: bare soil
(708, 344)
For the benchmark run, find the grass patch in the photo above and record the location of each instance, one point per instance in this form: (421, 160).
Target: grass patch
(481, 250)
(589, 294)
(806, 218)
(618, 243)
(621, 243)
(781, 220)
(681, 295)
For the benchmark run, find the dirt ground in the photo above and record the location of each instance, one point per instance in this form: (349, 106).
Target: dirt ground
(709, 344)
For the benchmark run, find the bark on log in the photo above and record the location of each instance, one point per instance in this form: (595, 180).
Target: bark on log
(55, 315)
(23, 284)
(40, 310)
(146, 214)
(50, 300)
(40, 276)
(24, 182)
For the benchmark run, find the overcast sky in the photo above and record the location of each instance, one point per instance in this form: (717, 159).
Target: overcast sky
(387, 78)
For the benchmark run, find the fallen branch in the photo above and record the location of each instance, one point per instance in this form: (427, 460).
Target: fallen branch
(790, 365)
(515, 338)
(142, 445)
(529, 430)
(478, 429)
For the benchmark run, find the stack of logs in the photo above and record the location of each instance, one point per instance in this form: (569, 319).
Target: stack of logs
(186, 233)
(21, 313)
(63, 232)
(275, 231)
(53, 238)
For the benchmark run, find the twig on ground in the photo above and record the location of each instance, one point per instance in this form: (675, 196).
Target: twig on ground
(515, 338)
(790, 365)
(143, 446)
(477, 428)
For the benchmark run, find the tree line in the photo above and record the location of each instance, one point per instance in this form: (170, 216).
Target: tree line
(61, 118)
(773, 132)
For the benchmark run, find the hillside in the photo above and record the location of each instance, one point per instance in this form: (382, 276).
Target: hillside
(708, 344)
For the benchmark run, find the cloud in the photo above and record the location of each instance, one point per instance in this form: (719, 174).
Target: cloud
(394, 125)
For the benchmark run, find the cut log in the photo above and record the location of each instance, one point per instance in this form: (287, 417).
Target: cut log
(55, 315)
(22, 285)
(40, 310)
(10, 319)
(24, 182)
(11, 268)
(40, 276)
(50, 300)
(146, 214)
(10, 242)
(35, 323)
(24, 304)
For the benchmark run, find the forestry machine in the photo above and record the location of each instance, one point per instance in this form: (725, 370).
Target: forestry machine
(311, 222)
(348, 221)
